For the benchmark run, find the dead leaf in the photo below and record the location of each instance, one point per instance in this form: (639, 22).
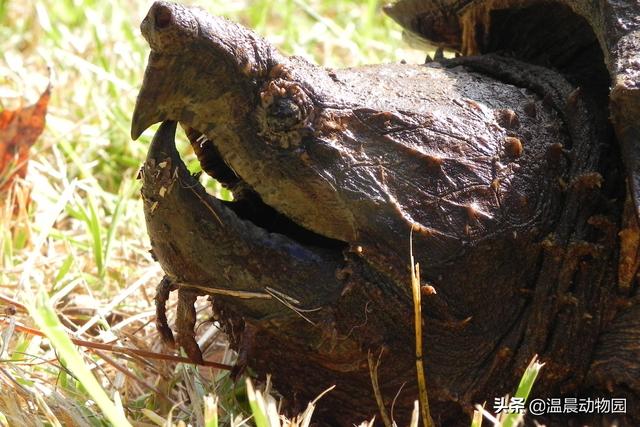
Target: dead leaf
(19, 130)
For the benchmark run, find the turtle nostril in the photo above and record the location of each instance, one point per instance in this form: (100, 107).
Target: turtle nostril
(163, 16)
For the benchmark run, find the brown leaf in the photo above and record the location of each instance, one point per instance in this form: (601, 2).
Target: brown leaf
(19, 130)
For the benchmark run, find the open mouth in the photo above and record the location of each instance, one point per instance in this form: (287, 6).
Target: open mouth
(247, 203)
(243, 251)
(241, 248)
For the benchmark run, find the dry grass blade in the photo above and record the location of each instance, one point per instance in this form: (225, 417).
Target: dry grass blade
(12, 303)
(128, 373)
(304, 419)
(128, 291)
(417, 311)
(373, 373)
(126, 350)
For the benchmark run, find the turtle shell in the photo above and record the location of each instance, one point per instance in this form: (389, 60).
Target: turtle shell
(595, 44)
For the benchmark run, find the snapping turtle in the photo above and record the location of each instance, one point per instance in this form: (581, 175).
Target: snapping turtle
(501, 167)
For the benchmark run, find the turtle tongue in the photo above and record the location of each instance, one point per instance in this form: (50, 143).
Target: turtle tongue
(203, 244)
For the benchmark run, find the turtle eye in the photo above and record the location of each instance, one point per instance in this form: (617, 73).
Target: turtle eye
(283, 114)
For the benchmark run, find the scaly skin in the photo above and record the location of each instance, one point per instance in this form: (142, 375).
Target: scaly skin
(487, 163)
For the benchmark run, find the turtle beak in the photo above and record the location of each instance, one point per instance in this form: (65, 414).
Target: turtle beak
(185, 47)
(144, 115)
(152, 105)
(168, 28)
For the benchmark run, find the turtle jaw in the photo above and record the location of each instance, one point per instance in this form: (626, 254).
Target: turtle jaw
(203, 244)
(205, 248)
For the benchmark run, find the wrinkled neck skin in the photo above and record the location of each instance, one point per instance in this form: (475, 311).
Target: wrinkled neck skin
(467, 167)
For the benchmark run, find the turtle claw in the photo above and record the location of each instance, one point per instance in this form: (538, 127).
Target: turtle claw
(185, 324)
(165, 287)
(185, 318)
(245, 350)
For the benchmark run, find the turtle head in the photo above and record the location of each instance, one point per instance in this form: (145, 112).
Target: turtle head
(258, 108)
(197, 59)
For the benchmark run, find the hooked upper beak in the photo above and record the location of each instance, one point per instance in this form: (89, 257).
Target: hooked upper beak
(168, 27)
(187, 45)
(154, 99)
(143, 117)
